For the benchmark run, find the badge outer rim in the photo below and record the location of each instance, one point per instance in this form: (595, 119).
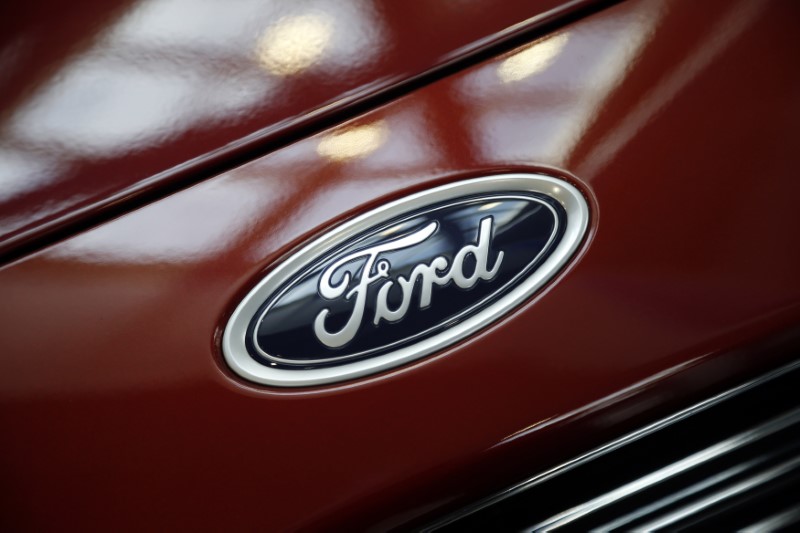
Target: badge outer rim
(577, 222)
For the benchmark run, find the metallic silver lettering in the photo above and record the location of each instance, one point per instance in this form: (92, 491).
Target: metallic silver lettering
(373, 270)
(331, 291)
(481, 254)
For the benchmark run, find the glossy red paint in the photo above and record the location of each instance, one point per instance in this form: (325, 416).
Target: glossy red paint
(104, 101)
(676, 118)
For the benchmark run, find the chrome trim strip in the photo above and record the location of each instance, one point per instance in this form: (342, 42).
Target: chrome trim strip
(743, 486)
(577, 222)
(687, 463)
(689, 491)
(615, 444)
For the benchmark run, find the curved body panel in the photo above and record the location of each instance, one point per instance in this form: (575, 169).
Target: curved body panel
(678, 120)
(107, 102)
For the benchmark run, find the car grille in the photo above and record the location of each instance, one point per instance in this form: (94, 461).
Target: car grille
(729, 462)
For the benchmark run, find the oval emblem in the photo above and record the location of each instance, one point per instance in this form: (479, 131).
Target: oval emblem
(405, 280)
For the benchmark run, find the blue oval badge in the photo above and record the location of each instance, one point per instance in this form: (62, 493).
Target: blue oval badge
(405, 280)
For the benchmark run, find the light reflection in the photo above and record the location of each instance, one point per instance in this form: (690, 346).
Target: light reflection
(394, 229)
(563, 95)
(164, 25)
(354, 142)
(38, 169)
(729, 27)
(155, 73)
(413, 146)
(532, 60)
(294, 44)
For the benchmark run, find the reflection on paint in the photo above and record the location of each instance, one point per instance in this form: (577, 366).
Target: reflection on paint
(294, 44)
(155, 71)
(564, 95)
(37, 168)
(731, 24)
(531, 60)
(354, 142)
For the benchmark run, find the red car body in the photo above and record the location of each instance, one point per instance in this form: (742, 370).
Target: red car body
(142, 203)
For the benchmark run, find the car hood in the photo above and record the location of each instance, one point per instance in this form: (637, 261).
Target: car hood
(110, 101)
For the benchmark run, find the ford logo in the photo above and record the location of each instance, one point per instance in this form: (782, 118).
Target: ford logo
(405, 280)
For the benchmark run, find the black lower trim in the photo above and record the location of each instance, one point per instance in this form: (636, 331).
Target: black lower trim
(725, 463)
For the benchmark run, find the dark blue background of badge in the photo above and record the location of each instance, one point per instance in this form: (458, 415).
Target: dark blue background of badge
(522, 227)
